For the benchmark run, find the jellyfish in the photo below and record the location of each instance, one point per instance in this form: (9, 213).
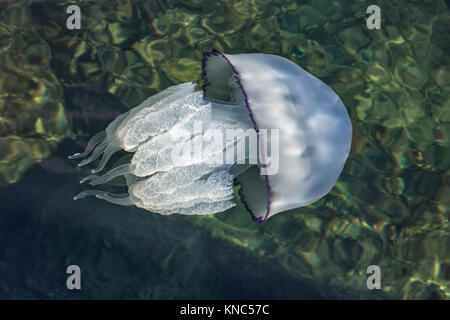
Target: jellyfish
(260, 122)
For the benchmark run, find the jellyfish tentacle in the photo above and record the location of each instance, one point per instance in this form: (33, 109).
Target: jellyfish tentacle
(107, 154)
(123, 199)
(120, 199)
(113, 173)
(95, 154)
(84, 179)
(93, 142)
(85, 193)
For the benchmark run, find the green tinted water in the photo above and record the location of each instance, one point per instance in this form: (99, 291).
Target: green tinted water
(390, 206)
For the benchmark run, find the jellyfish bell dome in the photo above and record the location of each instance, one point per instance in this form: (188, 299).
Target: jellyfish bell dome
(314, 127)
(302, 130)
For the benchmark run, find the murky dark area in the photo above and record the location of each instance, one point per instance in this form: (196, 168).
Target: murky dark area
(126, 254)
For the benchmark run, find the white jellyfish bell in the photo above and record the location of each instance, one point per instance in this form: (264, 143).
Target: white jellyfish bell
(260, 121)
